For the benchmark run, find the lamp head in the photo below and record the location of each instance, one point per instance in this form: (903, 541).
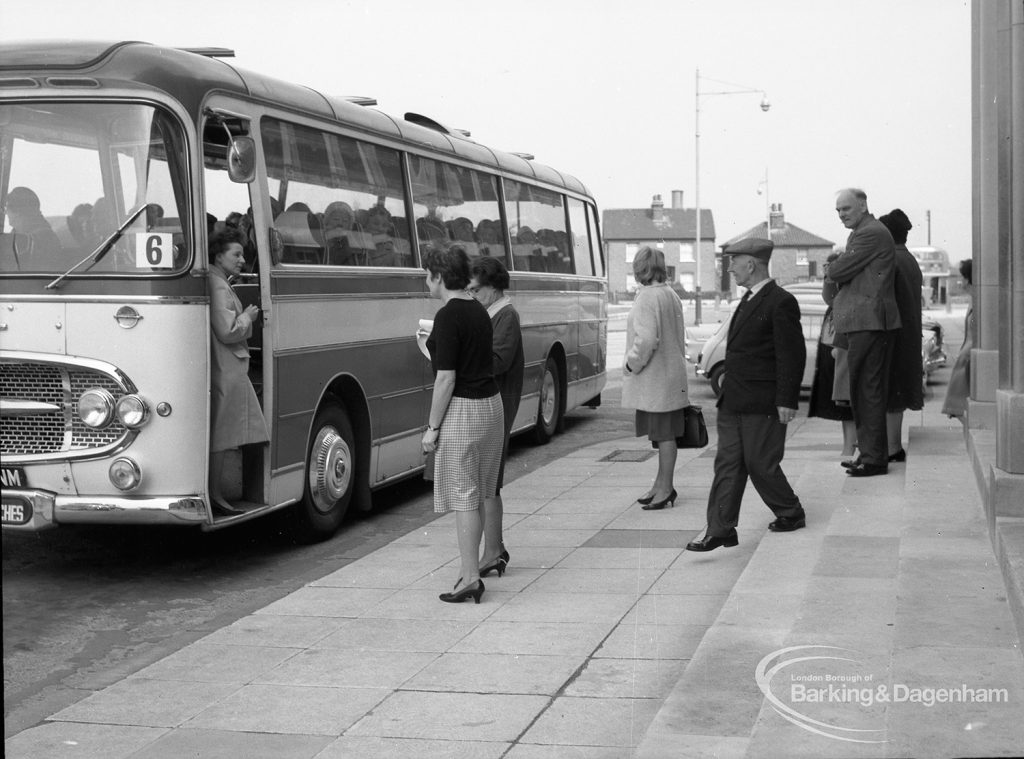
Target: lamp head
(765, 105)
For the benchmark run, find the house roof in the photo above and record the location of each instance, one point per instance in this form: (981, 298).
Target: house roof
(639, 224)
(790, 236)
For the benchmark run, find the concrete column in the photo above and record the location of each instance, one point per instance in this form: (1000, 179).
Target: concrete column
(985, 63)
(1010, 396)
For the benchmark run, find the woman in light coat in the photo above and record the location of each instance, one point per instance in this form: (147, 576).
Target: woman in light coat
(654, 371)
(236, 418)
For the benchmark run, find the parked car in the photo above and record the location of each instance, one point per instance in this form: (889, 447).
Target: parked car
(933, 353)
(711, 359)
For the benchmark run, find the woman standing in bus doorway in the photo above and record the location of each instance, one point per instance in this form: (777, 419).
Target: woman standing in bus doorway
(654, 373)
(464, 428)
(489, 280)
(236, 418)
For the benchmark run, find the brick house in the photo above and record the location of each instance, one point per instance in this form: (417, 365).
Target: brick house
(673, 230)
(798, 255)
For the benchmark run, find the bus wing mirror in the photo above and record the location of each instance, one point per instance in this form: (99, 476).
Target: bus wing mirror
(242, 160)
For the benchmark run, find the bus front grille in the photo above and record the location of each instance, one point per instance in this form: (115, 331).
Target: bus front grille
(59, 431)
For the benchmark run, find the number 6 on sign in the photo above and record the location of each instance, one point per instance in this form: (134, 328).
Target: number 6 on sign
(154, 251)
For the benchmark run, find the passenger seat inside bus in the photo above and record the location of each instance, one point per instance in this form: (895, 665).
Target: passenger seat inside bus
(302, 238)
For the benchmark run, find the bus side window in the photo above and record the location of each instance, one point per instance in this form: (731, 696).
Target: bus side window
(537, 226)
(580, 237)
(456, 205)
(351, 193)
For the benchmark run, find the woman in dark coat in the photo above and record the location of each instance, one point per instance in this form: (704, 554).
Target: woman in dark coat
(825, 402)
(488, 282)
(906, 381)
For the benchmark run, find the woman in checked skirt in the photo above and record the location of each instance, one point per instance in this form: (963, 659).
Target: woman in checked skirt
(465, 427)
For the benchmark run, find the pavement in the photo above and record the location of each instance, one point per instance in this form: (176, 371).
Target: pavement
(880, 630)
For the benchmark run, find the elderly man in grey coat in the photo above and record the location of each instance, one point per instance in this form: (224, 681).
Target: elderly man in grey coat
(865, 313)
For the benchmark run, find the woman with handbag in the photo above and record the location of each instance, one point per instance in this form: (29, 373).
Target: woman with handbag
(654, 371)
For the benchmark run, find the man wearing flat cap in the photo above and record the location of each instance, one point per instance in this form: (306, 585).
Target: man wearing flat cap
(764, 363)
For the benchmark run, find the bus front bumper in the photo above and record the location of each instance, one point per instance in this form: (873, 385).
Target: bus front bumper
(35, 510)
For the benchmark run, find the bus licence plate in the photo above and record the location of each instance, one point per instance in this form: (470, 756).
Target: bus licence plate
(13, 477)
(15, 510)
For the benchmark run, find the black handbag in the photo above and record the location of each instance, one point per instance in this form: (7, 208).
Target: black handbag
(696, 434)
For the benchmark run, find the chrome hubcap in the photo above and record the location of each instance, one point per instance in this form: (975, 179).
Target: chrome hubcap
(330, 470)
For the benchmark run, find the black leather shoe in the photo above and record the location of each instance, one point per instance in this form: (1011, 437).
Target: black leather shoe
(656, 505)
(788, 524)
(711, 542)
(900, 455)
(867, 470)
(850, 463)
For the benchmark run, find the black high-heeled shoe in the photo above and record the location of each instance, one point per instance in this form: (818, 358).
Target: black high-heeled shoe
(646, 499)
(499, 565)
(656, 505)
(470, 591)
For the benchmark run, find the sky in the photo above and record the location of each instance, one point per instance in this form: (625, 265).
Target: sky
(874, 94)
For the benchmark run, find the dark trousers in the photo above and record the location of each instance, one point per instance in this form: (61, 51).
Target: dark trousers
(869, 359)
(748, 445)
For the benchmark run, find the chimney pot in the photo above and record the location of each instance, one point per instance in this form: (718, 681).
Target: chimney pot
(677, 199)
(657, 209)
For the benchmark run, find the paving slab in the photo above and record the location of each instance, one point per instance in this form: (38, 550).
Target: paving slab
(605, 639)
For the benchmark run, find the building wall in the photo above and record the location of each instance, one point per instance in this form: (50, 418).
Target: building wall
(789, 265)
(678, 255)
(997, 359)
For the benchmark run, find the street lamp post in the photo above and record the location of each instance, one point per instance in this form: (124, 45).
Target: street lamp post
(737, 90)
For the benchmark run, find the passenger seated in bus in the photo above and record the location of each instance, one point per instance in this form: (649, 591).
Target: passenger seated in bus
(79, 224)
(154, 216)
(236, 417)
(248, 230)
(338, 221)
(461, 230)
(37, 245)
(378, 224)
(488, 234)
(525, 250)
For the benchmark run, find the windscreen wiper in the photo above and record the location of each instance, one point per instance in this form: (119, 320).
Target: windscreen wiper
(97, 255)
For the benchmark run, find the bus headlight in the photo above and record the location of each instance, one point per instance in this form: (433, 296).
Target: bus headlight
(96, 407)
(132, 411)
(125, 474)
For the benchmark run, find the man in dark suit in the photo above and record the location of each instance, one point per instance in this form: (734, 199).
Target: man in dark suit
(764, 363)
(865, 313)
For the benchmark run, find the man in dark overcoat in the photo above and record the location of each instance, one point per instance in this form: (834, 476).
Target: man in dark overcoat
(764, 364)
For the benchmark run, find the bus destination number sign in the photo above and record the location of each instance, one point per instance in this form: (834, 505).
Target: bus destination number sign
(154, 250)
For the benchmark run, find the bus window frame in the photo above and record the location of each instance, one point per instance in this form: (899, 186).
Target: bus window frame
(109, 169)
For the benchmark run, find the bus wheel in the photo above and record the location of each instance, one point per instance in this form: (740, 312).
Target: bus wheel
(715, 379)
(330, 476)
(549, 409)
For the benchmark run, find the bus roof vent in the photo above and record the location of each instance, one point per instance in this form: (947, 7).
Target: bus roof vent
(72, 81)
(19, 81)
(437, 126)
(210, 52)
(359, 100)
(527, 156)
